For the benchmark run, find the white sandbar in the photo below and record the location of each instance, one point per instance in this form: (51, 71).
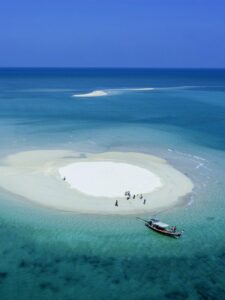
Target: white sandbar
(93, 181)
(92, 94)
(109, 179)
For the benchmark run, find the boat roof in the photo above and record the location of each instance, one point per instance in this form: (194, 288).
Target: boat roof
(160, 224)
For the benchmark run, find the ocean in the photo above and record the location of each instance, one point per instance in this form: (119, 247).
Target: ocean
(176, 114)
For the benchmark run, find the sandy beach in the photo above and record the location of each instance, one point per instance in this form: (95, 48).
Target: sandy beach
(109, 179)
(91, 183)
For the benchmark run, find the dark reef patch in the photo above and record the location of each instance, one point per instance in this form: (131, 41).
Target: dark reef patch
(49, 286)
(116, 281)
(23, 264)
(3, 276)
(205, 292)
(58, 260)
(176, 295)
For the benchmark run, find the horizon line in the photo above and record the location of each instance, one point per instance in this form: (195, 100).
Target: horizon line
(110, 67)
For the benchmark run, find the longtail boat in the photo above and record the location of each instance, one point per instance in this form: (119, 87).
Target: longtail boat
(162, 228)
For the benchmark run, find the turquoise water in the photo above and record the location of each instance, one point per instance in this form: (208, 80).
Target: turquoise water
(48, 254)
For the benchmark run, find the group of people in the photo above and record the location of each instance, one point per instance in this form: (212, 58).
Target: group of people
(129, 196)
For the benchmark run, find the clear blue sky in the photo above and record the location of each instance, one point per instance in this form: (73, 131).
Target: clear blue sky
(114, 33)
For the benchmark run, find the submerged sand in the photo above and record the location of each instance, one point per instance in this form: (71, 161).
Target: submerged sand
(93, 181)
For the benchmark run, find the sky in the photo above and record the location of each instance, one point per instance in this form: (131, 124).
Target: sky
(112, 33)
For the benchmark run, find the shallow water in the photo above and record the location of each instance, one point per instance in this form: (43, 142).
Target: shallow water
(50, 254)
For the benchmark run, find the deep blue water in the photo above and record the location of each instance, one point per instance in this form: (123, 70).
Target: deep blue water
(53, 255)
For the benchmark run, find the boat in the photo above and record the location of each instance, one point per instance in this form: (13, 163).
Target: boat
(162, 228)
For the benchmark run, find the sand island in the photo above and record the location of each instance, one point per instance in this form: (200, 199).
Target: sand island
(91, 183)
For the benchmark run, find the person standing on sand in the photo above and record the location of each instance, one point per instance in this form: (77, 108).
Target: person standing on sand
(116, 203)
(144, 201)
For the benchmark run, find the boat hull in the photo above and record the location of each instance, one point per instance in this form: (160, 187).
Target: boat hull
(164, 232)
